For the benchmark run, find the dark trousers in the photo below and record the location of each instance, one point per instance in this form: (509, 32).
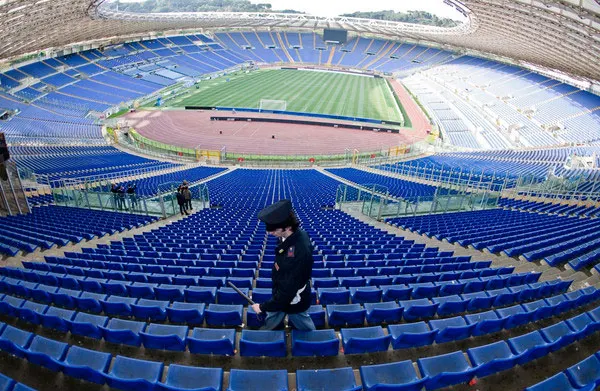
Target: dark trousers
(182, 209)
(188, 204)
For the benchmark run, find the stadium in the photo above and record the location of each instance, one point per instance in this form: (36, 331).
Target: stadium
(446, 172)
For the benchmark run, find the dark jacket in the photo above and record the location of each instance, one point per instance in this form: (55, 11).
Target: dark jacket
(180, 198)
(291, 272)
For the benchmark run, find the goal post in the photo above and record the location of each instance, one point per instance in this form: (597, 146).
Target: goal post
(272, 105)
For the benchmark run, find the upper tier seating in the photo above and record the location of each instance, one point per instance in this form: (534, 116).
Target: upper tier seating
(79, 162)
(524, 105)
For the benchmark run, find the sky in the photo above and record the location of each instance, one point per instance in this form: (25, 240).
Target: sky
(337, 7)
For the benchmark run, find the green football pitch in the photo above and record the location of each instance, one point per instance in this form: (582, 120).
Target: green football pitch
(303, 91)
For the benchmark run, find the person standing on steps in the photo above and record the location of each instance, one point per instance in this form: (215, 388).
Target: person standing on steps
(181, 202)
(291, 293)
(187, 194)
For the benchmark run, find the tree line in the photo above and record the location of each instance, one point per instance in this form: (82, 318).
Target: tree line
(417, 17)
(148, 6)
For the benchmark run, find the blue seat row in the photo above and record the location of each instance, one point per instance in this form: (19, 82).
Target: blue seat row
(8, 384)
(87, 324)
(435, 372)
(583, 376)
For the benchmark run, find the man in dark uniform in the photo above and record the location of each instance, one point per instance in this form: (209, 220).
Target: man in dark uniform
(291, 271)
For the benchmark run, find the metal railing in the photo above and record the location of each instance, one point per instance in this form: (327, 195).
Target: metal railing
(164, 204)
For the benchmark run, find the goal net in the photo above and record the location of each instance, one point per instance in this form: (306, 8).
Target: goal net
(272, 105)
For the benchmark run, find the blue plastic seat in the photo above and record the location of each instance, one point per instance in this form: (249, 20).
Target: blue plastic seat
(473, 285)
(30, 311)
(557, 382)
(451, 329)
(558, 335)
(345, 314)
(539, 309)
(56, 318)
(449, 305)
(502, 296)
(560, 303)
(118, 305)
(528, 347)
(181, 378)
(86, 364)
(365, 340)
(582, 325)
(87, 325)
(150, 309)
(15, 341)
(215, 282)
(133, 374)
(255, 380)
(10, 305)
(263, 343)
(22, 387)
(424, 290)
(169, 292)
(367, 294)
(400, 376)
(65, 297)
(200, 294)
(478, 300)
(143, 290)
(317, 314)
(395, 292)
(122, 331)
(418, 308)
(444, 370)
(388, 312)
(47, 352)
(491, 358)
(338, 379)
(451, 287)
(226, 295)
(165, 337)
(410, 335)
(223, 314)
(43, 293)
(485, 322)
(315, 343)
(515, 316)
(260, 295)
(188, 313)
(338, 295)
(6, 383)
(113, 287)
(325, 282)
(212, 341)
(379, 280)
(586, 373)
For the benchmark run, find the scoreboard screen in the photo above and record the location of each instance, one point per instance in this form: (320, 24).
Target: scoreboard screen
(335, 36)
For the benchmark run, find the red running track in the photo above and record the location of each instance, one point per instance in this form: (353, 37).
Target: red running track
(194, 129)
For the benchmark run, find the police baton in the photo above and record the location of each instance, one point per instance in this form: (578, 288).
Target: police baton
(259, 316)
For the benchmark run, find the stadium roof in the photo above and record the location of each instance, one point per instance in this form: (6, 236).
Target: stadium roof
(557, 34)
